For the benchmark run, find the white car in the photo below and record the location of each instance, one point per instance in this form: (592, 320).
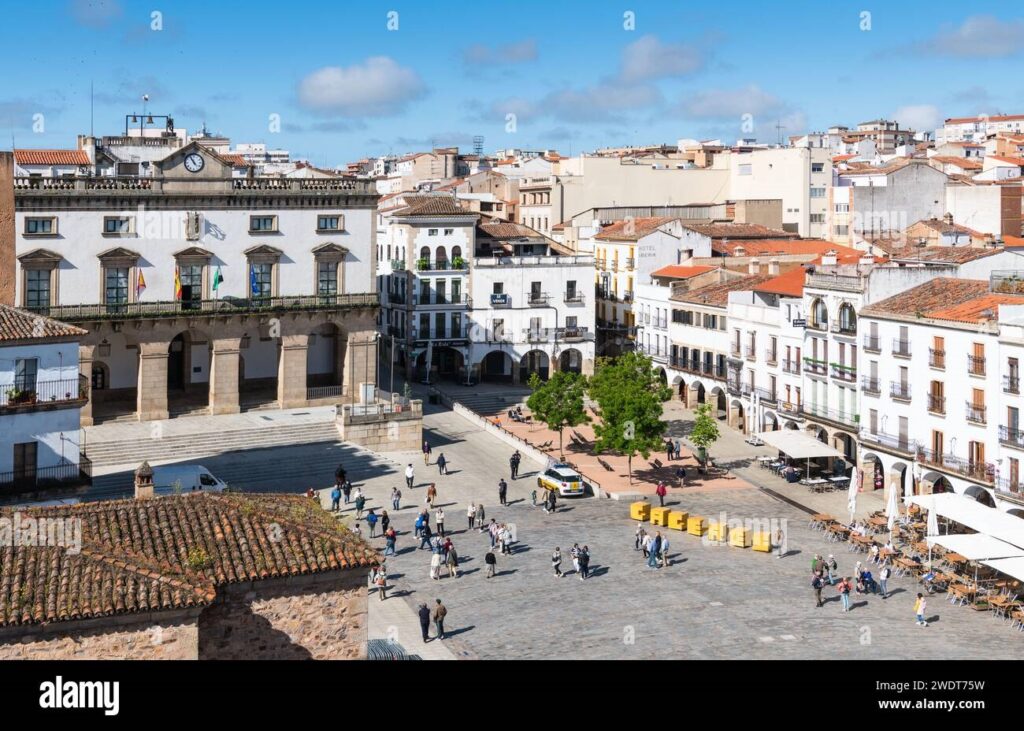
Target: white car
(563, 479)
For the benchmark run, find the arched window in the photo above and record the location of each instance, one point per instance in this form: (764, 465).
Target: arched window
(99, 377)
(847, 318)
(424, 262)
(456, 252)
(441, 257)
(819, 314)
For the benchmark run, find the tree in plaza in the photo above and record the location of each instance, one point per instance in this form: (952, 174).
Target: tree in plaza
(629, 395)
(558, 402)
(705, 429)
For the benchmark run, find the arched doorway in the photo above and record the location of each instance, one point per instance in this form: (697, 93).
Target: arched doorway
(1018, 512)
(737, 415)
(446, 363)
(535, 361)
(702, 394)
(792, 425)
(662, 376)
(818, 433)
(771, 422)
(980, 494)
(325, 367)
(496, 367)
(898, 477)
(189, 356)
(933, 483)
(847, 445)
(570, 361)
(720, 403)
(873, 474)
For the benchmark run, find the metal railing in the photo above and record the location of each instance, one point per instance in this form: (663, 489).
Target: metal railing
(771, 357)
(872, 344)
(1011, 436)
(975, 413)
(813, 324)
(218, 307)
(37, 394)
(899, 390)
(844, 373)
(936, 403)
(899, 442)
(538, 299)
(870, 385)
(837, 416)
(433, 299)
(982, 471)
(573, 298)
(767, 395)
(901, 348)
(844, 327)
(314, 393)
(976, 365)
(791, 366)
(1011, 384)
(815, 366)
(937, 358)
(750, 352)
(68, 474)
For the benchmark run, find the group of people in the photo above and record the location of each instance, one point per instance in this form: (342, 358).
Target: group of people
(443, 553)
(673, 449)
(654, 547)
(825, 572)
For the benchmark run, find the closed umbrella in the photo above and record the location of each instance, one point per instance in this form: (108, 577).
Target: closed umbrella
(933, 531)
(851, 496)
(892, 510)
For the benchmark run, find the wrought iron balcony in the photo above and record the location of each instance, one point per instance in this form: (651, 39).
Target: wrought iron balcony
(872, 344)
(837, 416)
(843, 372)
(975, 413)
(1011, 384)
(901, 348)
(573, 298)
(937, 358)
(976, 365)
(980, 471)
(815, 366)
(538, 299)
(899, 391)
(791, 366)
(37, 395)
(1011, 436)
(936, 404)
(898, 442)
(871, 386)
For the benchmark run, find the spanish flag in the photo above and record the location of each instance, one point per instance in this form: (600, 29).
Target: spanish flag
(177, 284)
(140, 285)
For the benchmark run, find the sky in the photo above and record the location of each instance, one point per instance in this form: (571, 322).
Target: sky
(336, 81)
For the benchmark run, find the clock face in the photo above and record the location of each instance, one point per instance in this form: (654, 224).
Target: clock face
(194, 163)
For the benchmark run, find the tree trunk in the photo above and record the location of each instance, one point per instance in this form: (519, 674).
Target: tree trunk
(629, 463)
(561, 452)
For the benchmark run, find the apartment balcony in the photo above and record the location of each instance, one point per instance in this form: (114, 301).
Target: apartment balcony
(750, 352)
(442, 265)
(835, 416)
(844, 327)
(771, 357)
(575, 334)
(847, 374)
(819, 326)
(937, 358)
(660, 323)
(543, 335)
(896, 442)
(655, 354)
(979, 471)
(815, 367)
(975, 365)
(975, 413)
(447, 335)
(937, 404)
(66, 475)
(224, 307)
(1010, 490)
(767, 395)
(791, 366)
(899, 391)
(738, 388)
(613, 266)
(901, 348)
(735, 350)
(630, 264)
(37, 395)
(627, 296)
(501, 300)
(433, 300)
(601, 265)
(791, 408)
(1011, 437)
(398, 265)
(871, 386)
(538, 299)
(872, 344)
(573, 298)
(1011, 384)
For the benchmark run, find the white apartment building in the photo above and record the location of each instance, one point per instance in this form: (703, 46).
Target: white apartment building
(979, 128)
(201, 292)
(41, 395)
(942, 413)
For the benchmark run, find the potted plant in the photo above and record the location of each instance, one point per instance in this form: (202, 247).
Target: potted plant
(423, 263)
(458, 263)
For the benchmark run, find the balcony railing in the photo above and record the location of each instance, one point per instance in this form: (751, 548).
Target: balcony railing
(843, 372)
(40, 394)
(844, 327)
(815, 366)
(575, 334)
(542, 335)
(69, 474)
(837, 416)
(872, 344)
(981, 471)
(1011, 436)
(573, 298)
(976, 365)
(898, 442)
(1011, 384)
(221, 307)
(791, 366)
(441, 265)
(627, 296)
(738, 388)
(750, 352)
(871, 385)
(433, 300)
(398, 265)
(975, 413)
(766, 395)
(630, 263)
(771, 357)
(538, 299)
(446, 334)
(936, 404)
(901, 348)
(819, 325)
(899, 391)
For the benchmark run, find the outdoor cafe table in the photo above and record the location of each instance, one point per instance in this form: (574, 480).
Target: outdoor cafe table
(837, 531)
(954, 558)
(906, 565)
(865, 541)
(878, 523)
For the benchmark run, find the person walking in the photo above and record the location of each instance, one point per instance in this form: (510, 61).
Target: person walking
(431, 495)
(639, 536)
(883, 581)
(506, 540)
(817, 583)
(346, 491)
(424, 614)
(513, 464)
(390, 539)
(335, 499)
(919, 609)
(385, 522)
(678, 448)
(584, 562)
(661, 491)
(480, 517)
(439, 518)
(844, 587)
(371, 520)
(492, 561)
(360, 504)
(552, 501)
(652, 558)
(425, 536)
(440, 612)
(435, 565)
(382, 583)
(409, 473)
(340, 476)
(831, 568)
(426, 453)
(533, 500)
(574, 554)
(396, 498)
(357, 531)
(556, 562)
(648, 540)
(493, 530)
(470, 516)
(780, 538)
(669, 449)
(451, 560)
(664, 551)
(503, 490)
(442, 464)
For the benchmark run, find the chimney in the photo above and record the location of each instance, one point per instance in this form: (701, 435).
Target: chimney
(7, 237)
(773, 266)
(948, 219)
(866, 260)
(755, 266)
(829, 259)
(144, 482)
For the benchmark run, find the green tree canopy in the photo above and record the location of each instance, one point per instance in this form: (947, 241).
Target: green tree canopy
(705, 428)
(559, 401)
(629, 395)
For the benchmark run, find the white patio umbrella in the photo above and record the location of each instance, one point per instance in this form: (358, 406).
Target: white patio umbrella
(933, 530)
(892, 509)
(851, 495)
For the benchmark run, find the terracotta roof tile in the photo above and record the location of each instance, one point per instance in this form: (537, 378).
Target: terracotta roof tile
(18, 324)
(977, 310)
(51, 157)
(632, 229)
(730, 230)
(964, 163)
(937, 295)
(677, 271)
(717, 295)
(995, 118)
(790, 284)
(169, 553)
(779, 247)
(1019, 161)
(942, 254)
(431, 205)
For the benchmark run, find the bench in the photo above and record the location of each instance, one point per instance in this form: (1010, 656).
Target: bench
(656, 463)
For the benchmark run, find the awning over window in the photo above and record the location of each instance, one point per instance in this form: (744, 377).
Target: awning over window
(798, 445)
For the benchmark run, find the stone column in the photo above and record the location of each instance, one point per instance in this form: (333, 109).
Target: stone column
(152, 404)
(291, 374)
(224, 383)
(361, 363)
(692, 394)
(86, 354)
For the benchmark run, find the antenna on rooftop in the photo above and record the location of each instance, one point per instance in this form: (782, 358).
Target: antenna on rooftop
(478, 145)
(778, 131)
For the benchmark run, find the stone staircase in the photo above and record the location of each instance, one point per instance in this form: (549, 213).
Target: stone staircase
(491, 404)
(133, 451)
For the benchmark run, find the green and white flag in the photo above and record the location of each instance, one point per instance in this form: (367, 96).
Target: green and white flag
(217, 279)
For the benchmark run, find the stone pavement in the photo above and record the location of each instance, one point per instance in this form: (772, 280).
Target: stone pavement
(393, 619)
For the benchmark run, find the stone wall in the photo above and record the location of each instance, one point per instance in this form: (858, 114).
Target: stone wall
(385, 432)
(318, 617)
(131, 637)
(8, 268)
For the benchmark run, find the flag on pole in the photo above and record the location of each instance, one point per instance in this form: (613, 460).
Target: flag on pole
(217, 279)
(254, 286)
(177, 284)
(140, 285)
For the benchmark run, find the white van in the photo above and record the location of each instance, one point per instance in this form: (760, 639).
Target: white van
(184, 479)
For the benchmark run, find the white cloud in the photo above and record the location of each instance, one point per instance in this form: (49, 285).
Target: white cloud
(919, 117)
(648, 58)
(731, 103)
(979, 36)
(376, 88)
(520, 52)
(95, 13)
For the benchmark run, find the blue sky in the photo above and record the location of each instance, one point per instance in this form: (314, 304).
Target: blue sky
(573, 72)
